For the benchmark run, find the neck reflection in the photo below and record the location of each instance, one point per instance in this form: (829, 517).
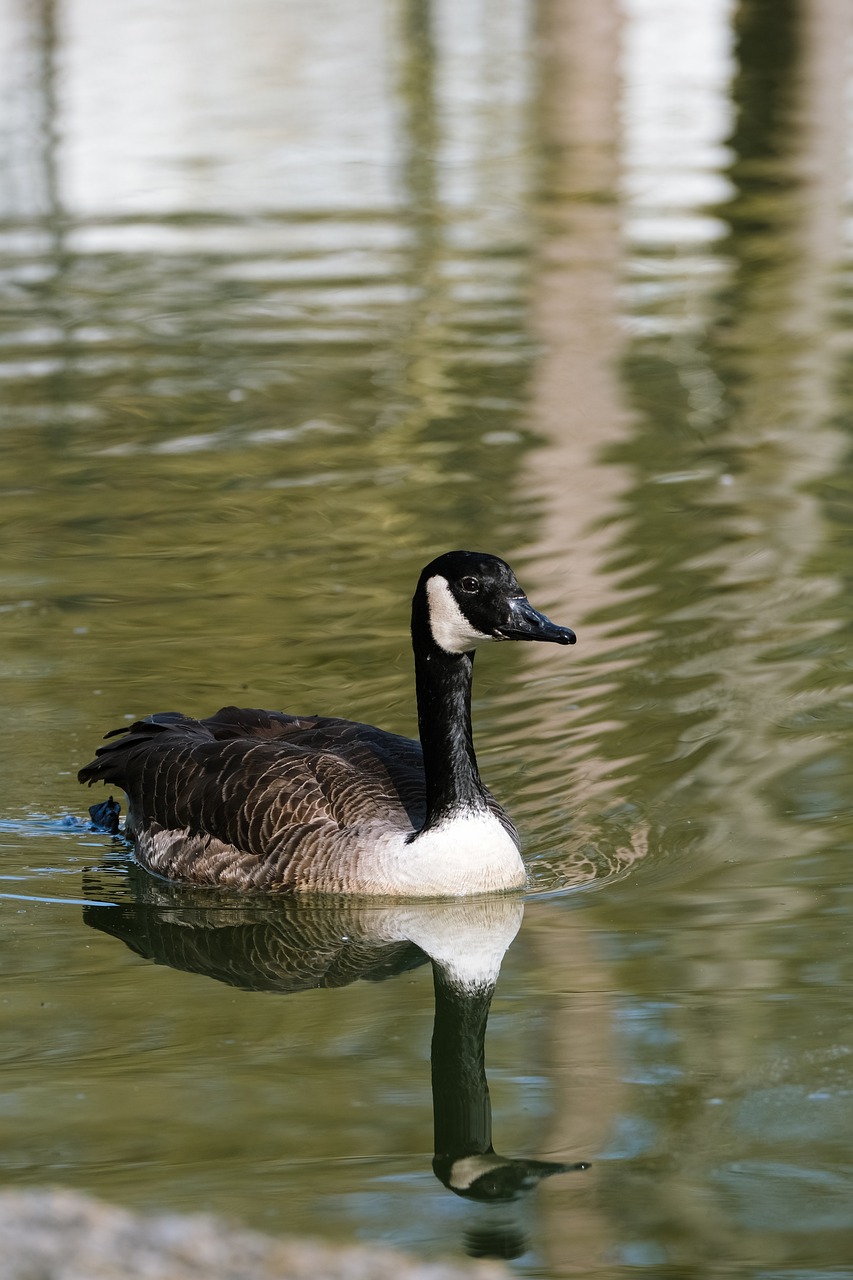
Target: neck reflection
(287, 945)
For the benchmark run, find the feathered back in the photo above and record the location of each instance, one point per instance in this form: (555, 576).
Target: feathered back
(257, 782)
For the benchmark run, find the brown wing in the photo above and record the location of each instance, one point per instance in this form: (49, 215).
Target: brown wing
(394, 763)
(257, 782)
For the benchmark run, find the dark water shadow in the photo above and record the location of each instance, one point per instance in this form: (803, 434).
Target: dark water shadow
(288, 945)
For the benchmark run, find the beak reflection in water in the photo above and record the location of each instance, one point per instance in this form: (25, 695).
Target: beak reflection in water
(289, 945)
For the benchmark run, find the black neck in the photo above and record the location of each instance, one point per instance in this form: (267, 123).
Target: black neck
(460, 1093)
(443, 686)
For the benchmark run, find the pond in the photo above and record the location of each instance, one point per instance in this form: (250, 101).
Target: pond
(295, 297)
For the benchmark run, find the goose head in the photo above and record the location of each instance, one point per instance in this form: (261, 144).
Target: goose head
(486, 1176)
(468, 598)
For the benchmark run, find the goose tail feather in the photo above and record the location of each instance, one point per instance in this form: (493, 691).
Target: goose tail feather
(110, 760)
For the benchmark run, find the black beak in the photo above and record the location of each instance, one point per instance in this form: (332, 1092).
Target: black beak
(526, 623)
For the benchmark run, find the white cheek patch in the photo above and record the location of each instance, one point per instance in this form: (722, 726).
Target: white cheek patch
(466, 1171)
(450, 629)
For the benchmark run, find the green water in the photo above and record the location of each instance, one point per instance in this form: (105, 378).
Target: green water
(564, 287)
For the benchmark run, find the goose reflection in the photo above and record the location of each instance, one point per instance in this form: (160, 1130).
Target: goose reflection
(291, 945)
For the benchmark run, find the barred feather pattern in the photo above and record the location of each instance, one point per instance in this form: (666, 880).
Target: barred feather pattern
(265, 800)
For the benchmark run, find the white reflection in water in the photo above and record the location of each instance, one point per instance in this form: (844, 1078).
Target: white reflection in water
(677, 69)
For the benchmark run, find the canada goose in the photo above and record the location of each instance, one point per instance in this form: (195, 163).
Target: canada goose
(264, 800)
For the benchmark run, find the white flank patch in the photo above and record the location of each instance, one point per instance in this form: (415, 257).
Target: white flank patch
(450, 629)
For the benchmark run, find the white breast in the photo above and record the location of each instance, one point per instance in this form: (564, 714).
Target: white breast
(467, 938)
(469, 853)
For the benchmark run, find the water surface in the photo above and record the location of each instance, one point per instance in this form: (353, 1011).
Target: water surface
(567, 283)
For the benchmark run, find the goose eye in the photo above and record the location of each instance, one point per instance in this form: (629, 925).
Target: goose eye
(469, 584)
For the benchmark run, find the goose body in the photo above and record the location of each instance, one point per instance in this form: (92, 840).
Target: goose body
(265, 800)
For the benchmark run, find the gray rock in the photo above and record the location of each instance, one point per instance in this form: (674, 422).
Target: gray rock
(65, 1235)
